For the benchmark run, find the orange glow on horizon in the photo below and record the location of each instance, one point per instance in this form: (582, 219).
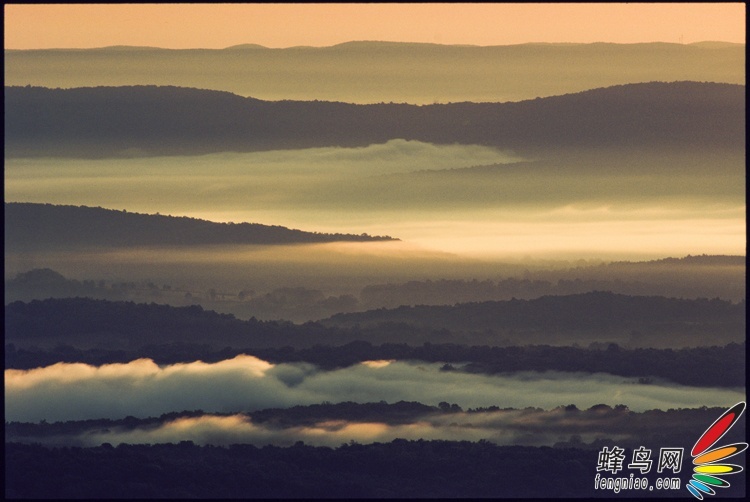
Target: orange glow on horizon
(179, 26)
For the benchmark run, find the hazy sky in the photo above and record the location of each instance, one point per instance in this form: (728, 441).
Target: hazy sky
(284, 25)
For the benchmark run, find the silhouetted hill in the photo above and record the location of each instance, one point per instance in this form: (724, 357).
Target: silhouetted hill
(688, 277)
(37, 284)
(561, 320)
(150, 120)
(117, 325)
(374, 72)
(45, 226)
(708, 276)
(245, 46)
(690, 260)
(602, 315)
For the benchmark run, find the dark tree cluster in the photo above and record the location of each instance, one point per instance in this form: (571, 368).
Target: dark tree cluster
(383, 470)
(399, 469)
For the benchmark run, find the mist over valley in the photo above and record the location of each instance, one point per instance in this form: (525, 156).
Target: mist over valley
(312, 266)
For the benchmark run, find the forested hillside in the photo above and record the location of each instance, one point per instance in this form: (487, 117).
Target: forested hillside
(152, 120)
(45, 226)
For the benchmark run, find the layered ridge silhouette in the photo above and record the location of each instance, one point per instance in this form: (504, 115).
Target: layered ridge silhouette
(47, 226)
(152, 120)
(119, 325)
(372, 72)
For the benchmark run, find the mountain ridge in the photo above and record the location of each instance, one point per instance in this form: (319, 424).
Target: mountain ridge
(637, 321)
(169, 120)
(41, 226)
(373, 72)
(384, 43)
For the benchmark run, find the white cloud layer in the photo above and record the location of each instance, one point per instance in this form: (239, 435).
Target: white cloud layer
(141, 388)
(225, 430)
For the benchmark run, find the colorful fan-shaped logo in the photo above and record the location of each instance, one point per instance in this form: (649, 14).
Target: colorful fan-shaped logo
(709, 464)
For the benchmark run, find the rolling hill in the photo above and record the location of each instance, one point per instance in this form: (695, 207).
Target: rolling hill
(151, 120)
(593, 310)
(374, 72)
(596, 315)
(45, 226)
(40, 333)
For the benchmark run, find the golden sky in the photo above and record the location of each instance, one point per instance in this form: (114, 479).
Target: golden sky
(177, 26)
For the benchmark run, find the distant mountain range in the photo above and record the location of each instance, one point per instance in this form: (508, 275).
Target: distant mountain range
(151, 120)
(45, 226)
(373, 72)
